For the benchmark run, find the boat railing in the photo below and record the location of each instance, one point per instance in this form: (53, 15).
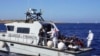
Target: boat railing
(29, 39)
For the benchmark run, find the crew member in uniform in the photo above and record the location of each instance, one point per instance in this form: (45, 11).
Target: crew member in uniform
(53, 36)
(89, 38)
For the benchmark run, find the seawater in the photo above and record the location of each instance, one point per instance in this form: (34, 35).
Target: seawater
(80, 30)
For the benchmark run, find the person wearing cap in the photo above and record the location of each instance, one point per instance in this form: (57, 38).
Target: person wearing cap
(89, 38)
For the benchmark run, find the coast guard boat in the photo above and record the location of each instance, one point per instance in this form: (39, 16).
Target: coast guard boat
(23, 38)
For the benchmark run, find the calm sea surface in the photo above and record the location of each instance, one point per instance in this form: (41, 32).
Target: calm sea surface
(81, 31)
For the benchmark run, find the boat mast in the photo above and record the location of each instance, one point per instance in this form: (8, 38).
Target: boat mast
(33, 15)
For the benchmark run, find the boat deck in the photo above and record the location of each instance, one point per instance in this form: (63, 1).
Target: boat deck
(81, 50)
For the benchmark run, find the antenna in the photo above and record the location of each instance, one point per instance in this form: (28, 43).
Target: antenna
(41, 11)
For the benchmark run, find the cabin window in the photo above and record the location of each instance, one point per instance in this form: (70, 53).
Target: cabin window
(48, 27)
(10, 28)
(23, 30)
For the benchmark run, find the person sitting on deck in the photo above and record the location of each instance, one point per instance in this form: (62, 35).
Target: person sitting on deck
(79, 42)
(73, 43)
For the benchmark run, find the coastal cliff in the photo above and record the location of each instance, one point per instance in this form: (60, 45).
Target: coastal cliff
(9, 21)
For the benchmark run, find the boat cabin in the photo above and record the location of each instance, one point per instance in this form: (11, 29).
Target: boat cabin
(27, 32)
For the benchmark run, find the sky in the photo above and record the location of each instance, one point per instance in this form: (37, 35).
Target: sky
(71, 11)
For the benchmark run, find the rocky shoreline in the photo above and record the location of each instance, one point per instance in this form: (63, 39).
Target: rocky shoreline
(9, 21)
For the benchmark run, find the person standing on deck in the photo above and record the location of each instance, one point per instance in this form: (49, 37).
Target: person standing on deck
(89, 38)
(53, 36)
(42, 35)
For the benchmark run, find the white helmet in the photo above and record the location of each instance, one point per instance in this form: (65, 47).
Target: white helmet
(90, 31)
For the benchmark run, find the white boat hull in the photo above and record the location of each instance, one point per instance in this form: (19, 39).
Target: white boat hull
(39, 51)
